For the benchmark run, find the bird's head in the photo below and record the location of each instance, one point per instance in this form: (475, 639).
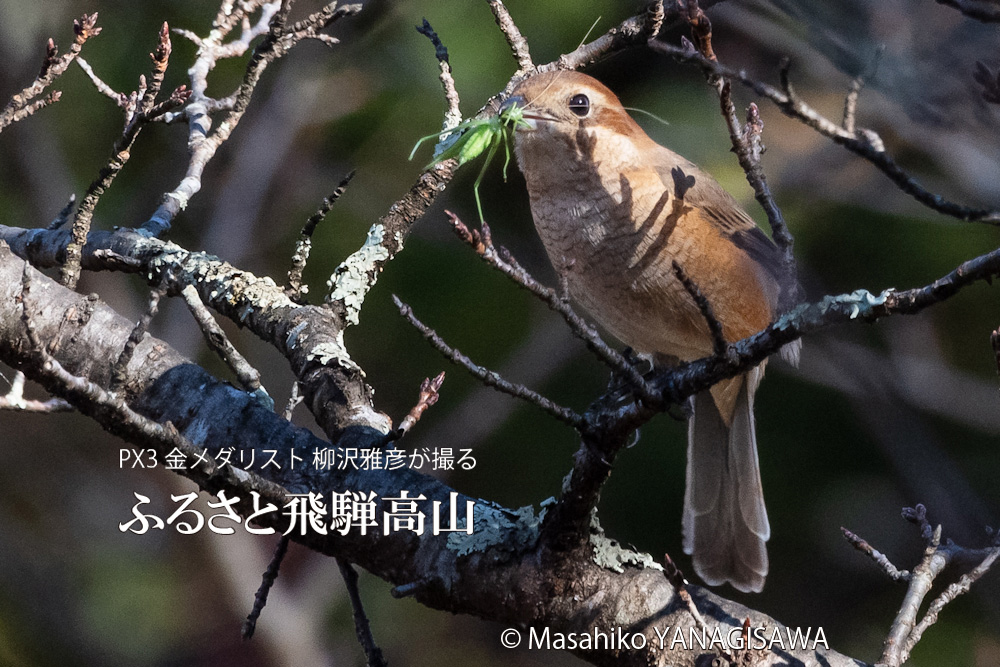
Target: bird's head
(569, 117)
(564, 101)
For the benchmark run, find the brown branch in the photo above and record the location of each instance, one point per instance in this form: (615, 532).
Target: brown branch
(864, 143)
(719, 344)
(748, 146)
(501, 259)
(171, 389)
(486, 376)
(53, 66)
(518, 45)
(428, 396)
(138, 111)
(633, 31)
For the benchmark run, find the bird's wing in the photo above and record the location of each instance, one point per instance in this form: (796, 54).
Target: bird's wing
(696, 188)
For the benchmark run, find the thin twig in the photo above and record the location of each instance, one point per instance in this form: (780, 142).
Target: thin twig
(453, 116)
(203, 140)
(864, 143)
(488, 377)
(64, 214)
(139, 109)
(53, 66)
(880, 558)
(296, 290)
(851, 100)
(917, 515)
(676, 578)
(953, 591)
(501, 259)
(518, 45)
(748, 146)
(719, 344)
(906, 631)
(267, 581)
(103, 88)
(119, 372)
(294, 399)
(634, 31)
(373, 654)
(15, 401)
(248, 376)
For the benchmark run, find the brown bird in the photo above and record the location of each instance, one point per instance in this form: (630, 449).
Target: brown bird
(615, 210)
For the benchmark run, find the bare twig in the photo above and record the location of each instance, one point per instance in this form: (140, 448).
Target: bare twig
(953, 591)
(880, 558)
(266, 583)
(633, 31)
(503, 261)
(294, 399)
(851, 99)
(917, 515)
(53, 66)
(676, 578)
(14, 400)
(518, 45)
(373, 654)
(64, 214)
(248, 376)
(488, 377)
(104, 89)
(906, 631)
(453, 116)
(139, 109)
(296, 290)
(719, 344)
(748, 146)
(203, 141)
(863, 142)
(119, 372)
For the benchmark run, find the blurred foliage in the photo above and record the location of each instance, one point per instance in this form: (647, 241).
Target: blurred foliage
(841, 444)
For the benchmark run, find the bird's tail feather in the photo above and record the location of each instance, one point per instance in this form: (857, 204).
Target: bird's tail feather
(725, 521)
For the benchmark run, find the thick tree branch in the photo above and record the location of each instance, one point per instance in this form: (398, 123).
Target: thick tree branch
(498, 572)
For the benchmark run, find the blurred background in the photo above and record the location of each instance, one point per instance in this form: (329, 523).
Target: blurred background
(878, 417)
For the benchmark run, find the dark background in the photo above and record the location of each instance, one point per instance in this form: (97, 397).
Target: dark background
(877, 418)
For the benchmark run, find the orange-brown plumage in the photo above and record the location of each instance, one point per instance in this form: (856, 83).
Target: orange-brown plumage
(615, 210)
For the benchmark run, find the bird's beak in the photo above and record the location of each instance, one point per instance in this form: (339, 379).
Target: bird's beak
(529, 116)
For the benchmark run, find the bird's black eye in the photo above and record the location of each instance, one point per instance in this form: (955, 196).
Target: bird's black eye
(580, 105)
